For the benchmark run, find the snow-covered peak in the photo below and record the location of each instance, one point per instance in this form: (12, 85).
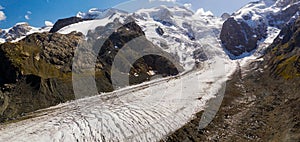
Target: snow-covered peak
(274, 13)
(96, 13)
(256, 12)
(19, 31)
(260, 10)
(176, 29)
(165, 14)
(23, 24)
(259, 23)
(191, 37)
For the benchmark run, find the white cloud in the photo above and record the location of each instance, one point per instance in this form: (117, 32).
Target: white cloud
(27, 16)
(188, 5)
(2, 14)
(48, 23)
(201, 12)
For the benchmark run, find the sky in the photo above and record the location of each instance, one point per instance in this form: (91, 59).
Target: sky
(36, 12)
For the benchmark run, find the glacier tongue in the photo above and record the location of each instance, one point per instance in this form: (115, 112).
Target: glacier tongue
(145, 112)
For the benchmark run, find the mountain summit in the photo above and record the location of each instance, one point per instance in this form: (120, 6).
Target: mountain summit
(256, 23)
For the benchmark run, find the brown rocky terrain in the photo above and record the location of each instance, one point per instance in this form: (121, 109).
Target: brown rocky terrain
(252, 110)
(261, 104)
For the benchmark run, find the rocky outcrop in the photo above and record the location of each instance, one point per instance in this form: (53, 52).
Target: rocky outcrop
(65, 22)
(237, 37)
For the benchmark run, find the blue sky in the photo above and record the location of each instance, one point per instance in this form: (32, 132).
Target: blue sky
(35, 12)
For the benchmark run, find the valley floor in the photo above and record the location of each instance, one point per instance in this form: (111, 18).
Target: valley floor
(255, 108)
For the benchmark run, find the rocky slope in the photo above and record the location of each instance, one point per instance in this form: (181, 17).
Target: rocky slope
(252, 110)
(29, 79)
(283, 56)
(253, 24)
(261, 102)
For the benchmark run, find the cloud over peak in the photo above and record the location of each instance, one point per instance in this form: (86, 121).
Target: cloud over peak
(27, 16)
(2, 14)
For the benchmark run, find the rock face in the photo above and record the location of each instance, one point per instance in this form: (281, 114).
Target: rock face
(65, 22)
(241, 33)
(36, 72)
(29, 81)
(237, 37)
